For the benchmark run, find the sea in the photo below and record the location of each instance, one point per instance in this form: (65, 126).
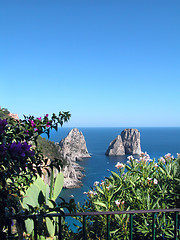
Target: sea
(156, 141)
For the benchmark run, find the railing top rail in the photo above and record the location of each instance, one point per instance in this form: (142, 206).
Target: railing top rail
(97, 213)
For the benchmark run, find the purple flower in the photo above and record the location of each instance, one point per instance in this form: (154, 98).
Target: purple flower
(39, 118)
(48, 124)
(32, 123)
(26, 147)
(15, 150)
(20, 150)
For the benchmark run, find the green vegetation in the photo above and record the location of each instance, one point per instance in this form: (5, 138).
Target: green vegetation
(42, 198)
(139, 185)
(4, 113)
(50, 150)
(21, 159)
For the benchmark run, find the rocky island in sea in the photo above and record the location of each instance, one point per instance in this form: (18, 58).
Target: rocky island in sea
(73, 148)
(126, 143)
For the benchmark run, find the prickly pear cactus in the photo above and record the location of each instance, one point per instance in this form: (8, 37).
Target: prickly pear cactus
(40, 194)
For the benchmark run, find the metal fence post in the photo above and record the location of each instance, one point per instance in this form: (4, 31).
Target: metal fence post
(108, 227)
(131, 226)
(175, 225)
(84, 228)
(35, 228)
(154, 226)
(60, 228)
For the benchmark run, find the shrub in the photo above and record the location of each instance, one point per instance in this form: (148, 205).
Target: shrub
(141, 184)
(20, 157)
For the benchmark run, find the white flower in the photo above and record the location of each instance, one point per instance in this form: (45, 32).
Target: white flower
(119, 165)
(155, 181)
(167, 156)
(144, 157)
(149, 179)
(117, 203)
(128, 162)
(178, 154)
(162, 160)
(85, 192)
(155, 165)
(91, 193)
(130, 157)
(96, 183)
(102, 183)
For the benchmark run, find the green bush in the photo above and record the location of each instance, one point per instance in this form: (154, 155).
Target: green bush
(21, 159)
(141, 184)
(50, 150)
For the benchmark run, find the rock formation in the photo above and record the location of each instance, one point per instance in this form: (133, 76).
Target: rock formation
(131, 141)
(73, 148)
(126, 143)
(116, 147)
(72, 175)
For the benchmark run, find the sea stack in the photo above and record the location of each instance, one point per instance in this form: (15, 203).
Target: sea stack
(131, 141)
(116, 147)
(126, 143)
(73, 148)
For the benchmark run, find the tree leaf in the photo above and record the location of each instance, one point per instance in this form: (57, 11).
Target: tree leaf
(100, 204)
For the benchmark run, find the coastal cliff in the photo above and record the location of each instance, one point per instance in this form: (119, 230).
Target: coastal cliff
(126, 143)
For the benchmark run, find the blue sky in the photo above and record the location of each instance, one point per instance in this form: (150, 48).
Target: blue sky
(109, 62)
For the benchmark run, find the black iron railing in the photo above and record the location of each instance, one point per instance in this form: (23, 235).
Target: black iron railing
(85, 214)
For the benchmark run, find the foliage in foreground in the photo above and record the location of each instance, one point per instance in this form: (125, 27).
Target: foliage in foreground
(42, 199)
(21, 159)
(141, 184)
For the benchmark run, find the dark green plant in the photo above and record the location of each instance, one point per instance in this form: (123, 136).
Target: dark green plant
(141, 184)
(20, 157)
(41, 198)
(50, 150)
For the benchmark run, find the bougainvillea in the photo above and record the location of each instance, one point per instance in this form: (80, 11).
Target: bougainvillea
(20, 157)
